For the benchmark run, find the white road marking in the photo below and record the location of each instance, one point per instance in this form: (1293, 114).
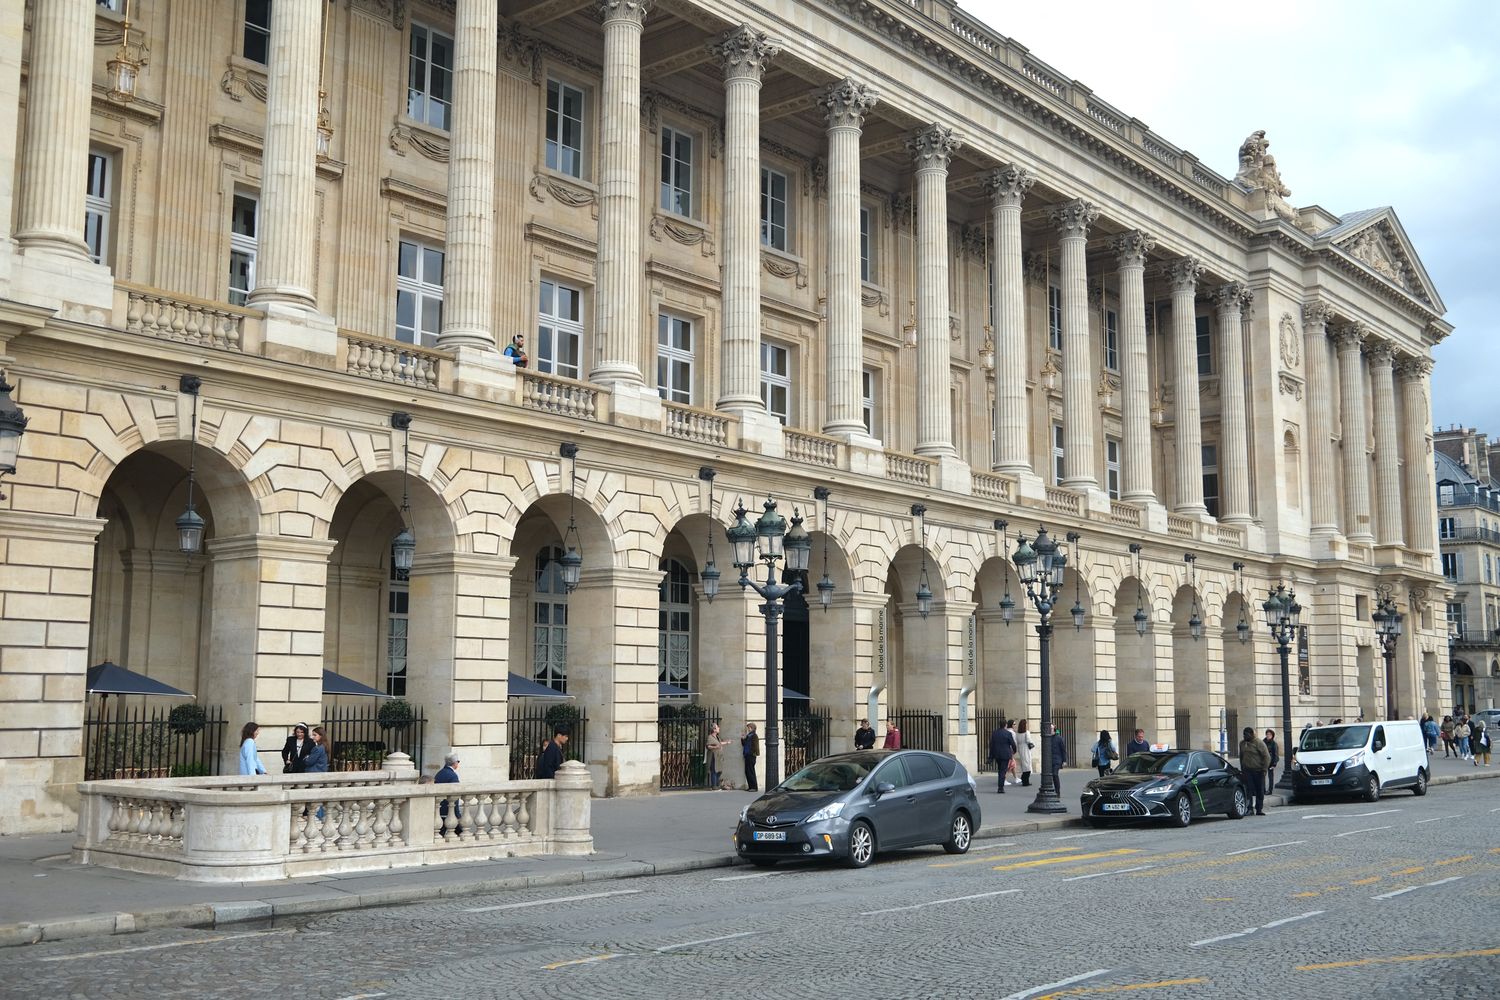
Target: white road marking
(1437, 819)
(1291, 920)
(1350, 833)
(1223, 937)
(555, 899)
(741, 878)
(580, 961)
(939, 902)
(1080, 836)
(162, 947)
(1024, 994)
(363, 996)
(1414, 888)
(1117, 871)
(689, 944)
(1252, 850)
(1251, 930)
(1376, 812)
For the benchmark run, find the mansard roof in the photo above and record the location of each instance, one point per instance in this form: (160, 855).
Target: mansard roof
(1450, 472)
(1375, 240)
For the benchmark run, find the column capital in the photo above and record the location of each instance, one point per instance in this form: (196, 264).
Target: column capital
(1380, 351)
(933, 146)
(1074, 218)
(1316, 313)
(1410, 368)
(1008, 185)
(846, 103)
(1131, 248)
(745, 52)
(1183, 274)
(1349, 336)
(1230, 296)
(1247, 300)
(624, 10)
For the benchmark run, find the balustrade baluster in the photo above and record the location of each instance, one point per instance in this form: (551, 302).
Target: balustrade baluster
(396, 825)
(346, 825)
(133, 314)
(330, 827)
(299, 829)
(382, 830)
(509, 830)
(179, 823)
(523, 816)
(314, 829)
(366, 812)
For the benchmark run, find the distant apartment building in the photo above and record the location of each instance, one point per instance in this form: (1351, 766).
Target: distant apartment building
(1468, 500)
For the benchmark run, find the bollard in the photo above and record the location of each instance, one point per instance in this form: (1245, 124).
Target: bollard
(571, 810)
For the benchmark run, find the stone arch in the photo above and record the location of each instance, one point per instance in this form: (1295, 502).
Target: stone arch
(1138, 695)
(918, 648)
(1190, 673)
(1244, 704)
(1076, 683)
(1009, 679)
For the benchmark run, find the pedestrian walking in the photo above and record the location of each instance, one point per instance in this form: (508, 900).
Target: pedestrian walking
(892, 735)
(295, 750)
(1011, 771)
(1461, 737)
(864, 736)
(1024, 748)
(1104, 753)
(1445, 731)
(1479, 742)
(1059, 756)
(1002, 752)
(750, 749)
(318, 758)
(1275, 753)
(713, 746)
(1429, 732)
(448, 775)
(249, 752)
(1255, 760)
(1138, 744)
(552, 757)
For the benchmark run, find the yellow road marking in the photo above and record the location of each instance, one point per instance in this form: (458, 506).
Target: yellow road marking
(580, 961)
(1370, 881)
(1413, 870)
(1023, 854)
(1210, 863)
(1454, 861)
(1218, 899)
(1303, 895)
(1123, 988)
(1116, 862)
(1355, 963)
(1069, 859)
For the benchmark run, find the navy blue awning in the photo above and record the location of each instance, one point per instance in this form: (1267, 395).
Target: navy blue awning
(111, 678)
(787, 694)
(340, 686)
(665, 690)
(522, 687)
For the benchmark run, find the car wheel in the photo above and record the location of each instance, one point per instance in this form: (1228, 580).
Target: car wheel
(959, 834)
(861, 845)
(1182, 810)
(1420, 788)
(1372, 788)
(763, 862)
(1240, 807)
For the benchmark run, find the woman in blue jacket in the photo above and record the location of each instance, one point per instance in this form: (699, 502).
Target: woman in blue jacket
(316, 760)
(249, 752)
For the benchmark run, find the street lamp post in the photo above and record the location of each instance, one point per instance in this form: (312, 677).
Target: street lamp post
(1283, 616)
(769, 539)
(1040, 567)
(1388, 630)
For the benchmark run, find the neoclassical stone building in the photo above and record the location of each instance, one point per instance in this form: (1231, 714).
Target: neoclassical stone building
(857, 254)
(1468, 499)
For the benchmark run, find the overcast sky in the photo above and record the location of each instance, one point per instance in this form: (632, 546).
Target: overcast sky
(1365, 104)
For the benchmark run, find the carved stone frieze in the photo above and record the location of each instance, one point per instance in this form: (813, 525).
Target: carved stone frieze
(564, 192)
(1035, 266)
(238, 81)
(429, 144)
(1290, 385)
(784, 267)
(872, 298)
(1290, 342)
(681, 232)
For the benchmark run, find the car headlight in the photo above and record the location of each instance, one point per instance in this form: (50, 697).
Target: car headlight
(1159, 789)
(744, 813)
(1354, 761)
(1296, 764)
(829, 811)
(1089, 793)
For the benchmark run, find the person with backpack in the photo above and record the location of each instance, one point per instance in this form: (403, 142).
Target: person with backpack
(1104, 753)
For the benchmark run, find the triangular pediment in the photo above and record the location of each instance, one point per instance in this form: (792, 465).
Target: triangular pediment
(1375, 240)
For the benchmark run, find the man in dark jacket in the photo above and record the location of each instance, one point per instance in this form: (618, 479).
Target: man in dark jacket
(1059, 757)
(552, 757)
(750, 750)
(1275, 753)
(1002, 749)
(864, 736)
(448, 775)
(1138, 744)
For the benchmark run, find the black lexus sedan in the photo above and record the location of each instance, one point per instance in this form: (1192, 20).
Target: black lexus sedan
(851, 805)
(1176, 785)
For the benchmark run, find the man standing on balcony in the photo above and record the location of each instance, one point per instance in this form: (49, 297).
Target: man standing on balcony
(516, 350)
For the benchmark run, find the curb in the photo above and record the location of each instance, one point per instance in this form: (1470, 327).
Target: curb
(240, 911)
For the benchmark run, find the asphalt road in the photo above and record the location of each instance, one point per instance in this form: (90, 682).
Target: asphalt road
(1395, 899)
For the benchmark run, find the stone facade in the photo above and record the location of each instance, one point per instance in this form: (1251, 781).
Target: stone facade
(1033, 309)
(1468, 508)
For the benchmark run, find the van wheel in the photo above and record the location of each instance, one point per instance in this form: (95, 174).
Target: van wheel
(1372, 788)
(1420, 788)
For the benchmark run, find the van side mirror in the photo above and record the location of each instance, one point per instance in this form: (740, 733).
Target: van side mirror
(1377, 746)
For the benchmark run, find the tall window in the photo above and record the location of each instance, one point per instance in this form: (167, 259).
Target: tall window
(1112, 467)
(1054, 317)
(397, 611)
(864, 244)
(564, 128)
(1211, 479)
(1205, 347)
(1445, 495)
(776, 381)
(773, 188)
(429, 77)
(97, 205)
(244, 229)
(419, 293)
(549, 621)
(255, 41)
(674, 643)
(559, 330)
(1058, 454)
(1452, 564)
(674, 358)
(1489, 576)
(1455, 610)
(1112, 340)
(676, 171)
(868, 387)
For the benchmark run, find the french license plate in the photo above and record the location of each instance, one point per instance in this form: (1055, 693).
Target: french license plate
(1322, 781)
(1116, 807)
(769, 835)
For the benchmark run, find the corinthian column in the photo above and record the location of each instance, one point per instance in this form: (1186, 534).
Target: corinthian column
(1320, 461)
(618, 304)
(469, 270)
(288, 192)
(1183, 277)
(1007, 188)
(845, 105)
(932, 148)
(1348, 339)
(1234, 443)
(1416, 426)
(745, 53)
(1387, 471)
(1073, 221)
(1135, 373)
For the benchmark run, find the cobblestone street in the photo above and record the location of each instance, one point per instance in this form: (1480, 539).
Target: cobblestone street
(1334, 900)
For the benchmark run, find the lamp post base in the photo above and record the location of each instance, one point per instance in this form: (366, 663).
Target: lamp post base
(1051, 805)
(1286, 784)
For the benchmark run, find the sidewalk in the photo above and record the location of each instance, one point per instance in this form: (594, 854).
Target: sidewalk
(45, 897)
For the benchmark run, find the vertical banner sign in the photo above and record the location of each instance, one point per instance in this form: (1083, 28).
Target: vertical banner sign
(1304, 672)
(973, 645)
(880, 640)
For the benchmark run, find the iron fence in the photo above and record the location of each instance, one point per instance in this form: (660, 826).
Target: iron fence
(137, 743)
(1125, 720)
(361, 742)
(1066, 721)
(682, 731)
(985, 721)
(1231, 730)
(530, 729)
(920, 730)
(1184, 738)
(805, 737)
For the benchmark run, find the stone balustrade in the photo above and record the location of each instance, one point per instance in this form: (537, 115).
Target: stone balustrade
(154, 313)
(392, 361)
(908, 468)
(1061, 501)
(813, 449)
(1181, 526)
(563, 396)
(692, 424)
(1126, 515)
(280, 826)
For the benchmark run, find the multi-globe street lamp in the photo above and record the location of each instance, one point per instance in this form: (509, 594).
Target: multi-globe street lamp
(1040, 567)
(1388, 630)
(1283, 618)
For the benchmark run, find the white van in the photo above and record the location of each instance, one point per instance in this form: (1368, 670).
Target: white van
(1361, 758)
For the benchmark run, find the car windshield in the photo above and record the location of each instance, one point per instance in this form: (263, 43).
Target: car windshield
(1342, 738)
(829, 776)
(1155, 763)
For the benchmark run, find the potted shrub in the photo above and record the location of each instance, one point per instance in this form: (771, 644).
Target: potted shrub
(187, 719)
(395, 714)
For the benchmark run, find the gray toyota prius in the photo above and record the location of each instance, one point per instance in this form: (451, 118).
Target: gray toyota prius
(851, 805)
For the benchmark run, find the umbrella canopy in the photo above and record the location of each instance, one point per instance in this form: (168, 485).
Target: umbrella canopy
(339, 685)
(110, 678)
(522, 687)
